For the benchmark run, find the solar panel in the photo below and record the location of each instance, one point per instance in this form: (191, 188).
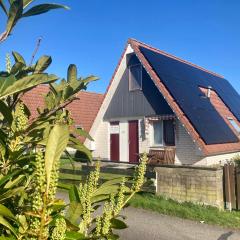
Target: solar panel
(183, 82)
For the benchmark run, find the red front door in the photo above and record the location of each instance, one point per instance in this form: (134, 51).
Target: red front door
(114, 141)
(133, 141)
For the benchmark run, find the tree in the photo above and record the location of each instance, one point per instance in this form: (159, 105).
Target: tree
(30, 151)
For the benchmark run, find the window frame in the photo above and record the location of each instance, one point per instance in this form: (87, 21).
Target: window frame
(130, 79)
(233, 123)
(152, 144)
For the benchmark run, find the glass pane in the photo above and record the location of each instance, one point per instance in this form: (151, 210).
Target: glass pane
(234, 124)
(135, 77)
(157, 133)
(168, 133)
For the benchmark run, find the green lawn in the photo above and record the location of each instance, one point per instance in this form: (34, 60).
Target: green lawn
(161, 205)
(75, 178)
(103, 176)
(186, 210)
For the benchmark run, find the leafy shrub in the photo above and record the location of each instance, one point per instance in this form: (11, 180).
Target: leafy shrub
(30, 150)
(236, 159)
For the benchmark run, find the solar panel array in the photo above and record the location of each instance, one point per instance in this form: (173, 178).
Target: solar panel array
(183, 81)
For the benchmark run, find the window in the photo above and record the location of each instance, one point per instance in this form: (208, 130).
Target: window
(162, 133)
(169, 134)
(234, 124)
(135, 77)
(157, 133)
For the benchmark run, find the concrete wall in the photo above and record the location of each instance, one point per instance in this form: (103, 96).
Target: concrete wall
(194, 184)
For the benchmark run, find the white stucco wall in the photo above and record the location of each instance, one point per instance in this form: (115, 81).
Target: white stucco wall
(187, 151)
(102, 141)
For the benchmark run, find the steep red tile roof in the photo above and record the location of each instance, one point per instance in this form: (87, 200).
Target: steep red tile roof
(83, 110)
(207, 149)
(34, 98)
(221, 108)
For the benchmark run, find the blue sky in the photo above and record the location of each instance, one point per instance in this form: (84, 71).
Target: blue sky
(93, 34)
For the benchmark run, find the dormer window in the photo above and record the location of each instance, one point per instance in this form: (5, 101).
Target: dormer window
(234, 124)
(135, 77)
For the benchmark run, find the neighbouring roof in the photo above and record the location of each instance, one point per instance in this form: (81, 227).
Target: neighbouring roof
(179, 82)
(83, 110)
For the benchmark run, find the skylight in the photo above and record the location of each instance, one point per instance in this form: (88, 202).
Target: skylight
(234, 124)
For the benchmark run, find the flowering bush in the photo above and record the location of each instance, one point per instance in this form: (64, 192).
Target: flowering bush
(30, 151)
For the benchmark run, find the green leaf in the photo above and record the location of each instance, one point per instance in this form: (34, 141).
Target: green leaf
(118, 224)
(43, 8)
(6, 112)
(113, 181)
(26, 3)
(5, 82)
(73, 194)
(15, 13)
(5, 223)
(2, 5)
(112, 237)
(9, 85)
(3, 148)
(58, 205)
(103, 190)
(74, 212)
(4, 179)
(5, 212)
(67, 93)
(72, 73)
(80, 147)
(64, 186)
(17, 67)
(70, 226)
(8, 238)
(18, 58)
(42, 64)
(74, 236)
(89, 79)
(100, 198)
(83, 149)
(10, 193)
(15, 182)
(56, 144)
(82, 133)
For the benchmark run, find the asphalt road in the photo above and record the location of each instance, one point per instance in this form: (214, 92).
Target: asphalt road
(147, 225)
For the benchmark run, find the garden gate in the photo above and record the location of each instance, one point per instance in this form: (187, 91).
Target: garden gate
(231, 184)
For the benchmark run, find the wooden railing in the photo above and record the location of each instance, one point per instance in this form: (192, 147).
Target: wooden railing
(162, 156)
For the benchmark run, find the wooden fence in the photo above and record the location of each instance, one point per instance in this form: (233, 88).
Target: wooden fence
(231, 184)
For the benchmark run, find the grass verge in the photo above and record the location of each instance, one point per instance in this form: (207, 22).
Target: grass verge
(209, 215)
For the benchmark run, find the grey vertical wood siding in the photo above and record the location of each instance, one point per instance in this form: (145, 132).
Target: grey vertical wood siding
(145, 102)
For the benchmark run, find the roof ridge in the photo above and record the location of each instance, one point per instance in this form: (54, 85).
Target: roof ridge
(132, 40)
